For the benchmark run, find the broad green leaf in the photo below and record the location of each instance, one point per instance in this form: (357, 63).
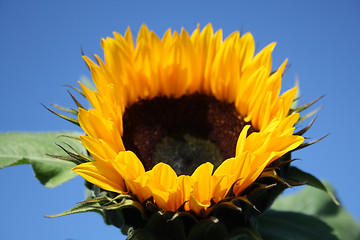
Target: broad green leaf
(278, 225)
(307, 178)
(31, 148)
(316, 203)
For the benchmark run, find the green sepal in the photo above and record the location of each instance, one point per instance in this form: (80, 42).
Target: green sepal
(69, 119)
(301, 108)
(80, 208)
(307, 144)
(66, 158)
(76, 89)
(90, 205)
(123, 212)
(271, 173)
(300, 176)
(308, 115)
(124, 201)
(75, 155)
(208, 229)
(164, 226)
(295, 109)
(186, 217)
(141, 234)
(64, 109)
(305, 129)
(236, 215)
(120, 210)
(88, 82)
(295, 102)
(266, 189)
(78, 104)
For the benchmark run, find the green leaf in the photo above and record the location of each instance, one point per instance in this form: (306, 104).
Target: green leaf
(31, 148)
(301, 176)
(278, 225)
(317, 203)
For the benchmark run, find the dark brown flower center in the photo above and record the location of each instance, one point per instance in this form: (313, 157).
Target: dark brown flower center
(183, 132)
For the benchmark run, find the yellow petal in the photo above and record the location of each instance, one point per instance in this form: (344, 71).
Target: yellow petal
(241, 140)
(101, 174)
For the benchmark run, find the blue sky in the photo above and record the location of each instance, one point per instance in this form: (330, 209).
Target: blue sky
(40, 48)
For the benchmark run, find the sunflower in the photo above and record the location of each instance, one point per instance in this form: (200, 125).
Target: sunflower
(184, 121)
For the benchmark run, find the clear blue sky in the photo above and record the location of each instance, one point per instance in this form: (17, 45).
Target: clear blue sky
(40, 48)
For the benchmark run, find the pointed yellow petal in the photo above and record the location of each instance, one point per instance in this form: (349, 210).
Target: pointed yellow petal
(241, 140)
(102, 175)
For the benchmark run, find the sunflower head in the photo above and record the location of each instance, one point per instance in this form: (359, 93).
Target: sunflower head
(187, 131)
